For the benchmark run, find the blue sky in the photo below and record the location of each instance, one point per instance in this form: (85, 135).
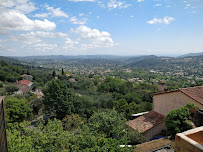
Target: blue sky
(113, 27)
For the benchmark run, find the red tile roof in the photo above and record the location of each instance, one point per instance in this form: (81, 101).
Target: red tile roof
(195, 93)
(25, 82)
(147, 121)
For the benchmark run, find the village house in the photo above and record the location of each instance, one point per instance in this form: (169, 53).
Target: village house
(27, 77)
(149, 124)
(24, 86)
(164, 102)
(153, 123)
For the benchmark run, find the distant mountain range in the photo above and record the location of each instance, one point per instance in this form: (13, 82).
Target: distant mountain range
(192, 54)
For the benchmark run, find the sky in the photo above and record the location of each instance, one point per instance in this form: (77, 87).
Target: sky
(100, 27)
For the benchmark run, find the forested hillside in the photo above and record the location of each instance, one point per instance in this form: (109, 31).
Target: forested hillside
(87, 101)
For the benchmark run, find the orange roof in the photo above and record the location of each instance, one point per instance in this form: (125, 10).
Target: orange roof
(25, 82)
(195, 93)
(147, 121)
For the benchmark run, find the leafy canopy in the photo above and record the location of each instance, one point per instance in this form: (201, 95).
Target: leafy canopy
(58, 99)
(178, 120)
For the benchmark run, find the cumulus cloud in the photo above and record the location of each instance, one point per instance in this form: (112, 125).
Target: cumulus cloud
(23, 6)
(70, 42)
(11, 20)
(43, 15)
(45, 34)
(114, 4)
(82, 0)
(44, 47)
(53, 12)
(165, 20)
(56, 12)
(95, 37)
(157, 5)
(74, 20)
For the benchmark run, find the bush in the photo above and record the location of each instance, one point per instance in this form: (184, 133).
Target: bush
(178, 120)
(1, 85)
(17, 110)
(11, 88)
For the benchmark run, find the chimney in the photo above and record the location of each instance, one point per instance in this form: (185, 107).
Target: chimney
(161, 86)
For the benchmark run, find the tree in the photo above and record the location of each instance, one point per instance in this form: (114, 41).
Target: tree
(11, 88)
(54, 74)
(135, 137)
(108, 122)
(17, 110)
(62, 71)
(178, 120)
(84, 106)
(72, 122)
(58, 99)
(121, 106)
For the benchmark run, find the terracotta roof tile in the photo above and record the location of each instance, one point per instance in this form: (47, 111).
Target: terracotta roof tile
(147, 121)
(25, 82)
(195, 93)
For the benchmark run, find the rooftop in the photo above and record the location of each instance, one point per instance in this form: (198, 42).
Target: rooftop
(147, 121)
(195, 93)
(25, 82)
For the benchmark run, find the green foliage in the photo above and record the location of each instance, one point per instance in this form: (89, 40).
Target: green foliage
(135, 137)
(84, 106)
(11, 88)
(113, 85)
(58, 99)
(107, 122)
(36, 105)
(72, 122)
(178, 120)
(46, 138)
(52, 137)
(1, 85)
(121, 106)
(17, 110)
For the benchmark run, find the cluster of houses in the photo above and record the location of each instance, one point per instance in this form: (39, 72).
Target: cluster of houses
(152, 123)
(26, 85)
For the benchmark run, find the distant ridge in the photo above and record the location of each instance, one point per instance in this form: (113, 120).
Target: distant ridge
(192, 54)
(9, 59)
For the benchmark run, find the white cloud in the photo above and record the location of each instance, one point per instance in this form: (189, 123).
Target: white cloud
(154, 21)
(56, 12)
(140, 0)
(94, 36)
(74, 20)
(168, 20)
(82, 0)
(117, 4)
(11, 50)
(45, 34)
(44, 47)
(12, 20)
(114, 4)
(43, 15)
(22, 6)
(157, 5)
(70, 42)
(81, 14)
(165, 20)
